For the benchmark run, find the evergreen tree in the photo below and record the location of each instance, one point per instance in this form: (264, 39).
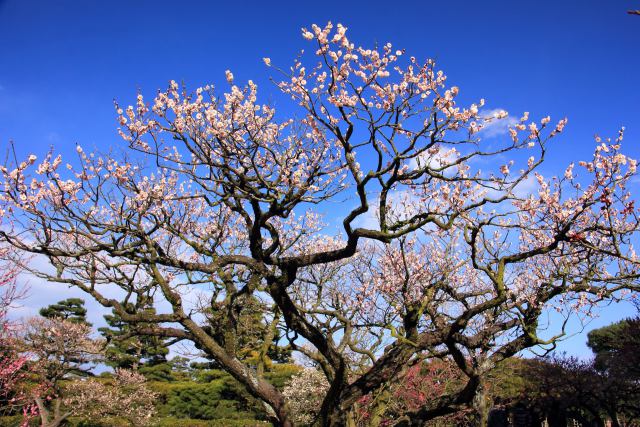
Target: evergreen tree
(617, 347)
(71, 309)
(128, 350)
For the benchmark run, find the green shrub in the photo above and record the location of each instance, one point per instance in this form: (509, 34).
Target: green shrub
(104, 422)
(182, 422)
(208, 375)
(12, 421)
(159, 372)
(222, 398)
(279, 374)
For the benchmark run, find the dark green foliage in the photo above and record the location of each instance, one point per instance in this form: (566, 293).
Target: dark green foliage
(617, 347)
(71, 309)
(203, 365)
(214, 400)
(181, 422)
(208, 375)
(158, 372)
(129, 351)
(215, 395)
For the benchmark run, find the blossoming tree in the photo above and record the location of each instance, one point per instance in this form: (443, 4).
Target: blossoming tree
(434, 257)
(59, 349)
(127, 397)
(12, 363)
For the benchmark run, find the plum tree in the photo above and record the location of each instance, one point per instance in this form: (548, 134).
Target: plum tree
(219, 200)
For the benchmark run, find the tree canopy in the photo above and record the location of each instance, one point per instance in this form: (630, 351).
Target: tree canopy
(617, 347)
(71, 309)
(126, 349)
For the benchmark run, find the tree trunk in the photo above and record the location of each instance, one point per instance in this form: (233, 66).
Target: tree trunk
(598, 421)
(556, 416)
(46, 419)
(481, 405)
(340, 418)
(279, 418)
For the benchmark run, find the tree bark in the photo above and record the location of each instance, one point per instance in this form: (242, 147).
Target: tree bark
(481, 405)
(45, 414)
(340, 419)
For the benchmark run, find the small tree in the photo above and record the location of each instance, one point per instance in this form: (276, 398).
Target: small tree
(304, 394)
(71, 309)
(13, 364)
(60, 349)
(128, 350)
(126, 397)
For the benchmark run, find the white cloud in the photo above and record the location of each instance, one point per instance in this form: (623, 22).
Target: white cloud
(526, 187)
(369, 219)
(41, 293)
(399, 203)
(496, 127)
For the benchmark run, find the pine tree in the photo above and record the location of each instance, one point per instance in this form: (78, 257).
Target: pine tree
(128, 350)
(617, 347)
(71, 309)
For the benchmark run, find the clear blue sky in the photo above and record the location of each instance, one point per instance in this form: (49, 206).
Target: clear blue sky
(63, 62)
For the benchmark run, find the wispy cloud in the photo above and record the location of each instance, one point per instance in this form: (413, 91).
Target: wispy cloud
(40, 293)
(527, 187)
(496, 127)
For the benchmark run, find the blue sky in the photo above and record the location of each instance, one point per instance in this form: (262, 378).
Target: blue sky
(62, 63)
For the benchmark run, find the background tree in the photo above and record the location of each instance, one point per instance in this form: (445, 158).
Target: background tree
(59, 349)
(304, 394)
(127, 396)
(617, 348)
(13, 364)
(221, 195)
(559, 388)
(71, 309)
(128, 350)
(592, 391)
(617, 362)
